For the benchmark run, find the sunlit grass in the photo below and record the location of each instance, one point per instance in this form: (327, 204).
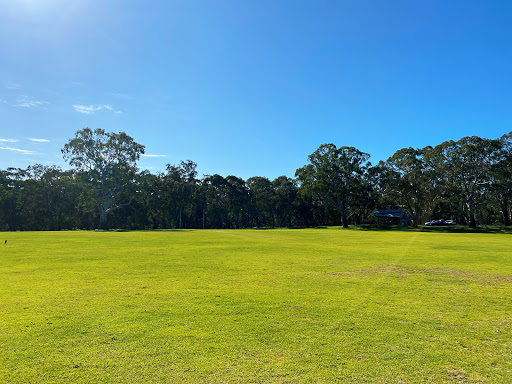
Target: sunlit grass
(308, 305)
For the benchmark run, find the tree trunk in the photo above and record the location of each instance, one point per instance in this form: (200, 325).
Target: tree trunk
(472, 221)
(344, 222)
(471, 207)
(415, 218)
(103, 218)
(343, 211)
(505, 213)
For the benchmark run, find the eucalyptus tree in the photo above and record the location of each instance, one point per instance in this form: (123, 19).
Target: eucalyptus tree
(466, 164)
(501, 178)
(13, 181)
(215, 191)
(6, 200)
(149, 203)
(262, 201)
(107, 163)
(58, 194)
(182, 184)
(413, 182)
(335, 175)
(378, 178)
(286, 203)
(4, 196)
(238, 195)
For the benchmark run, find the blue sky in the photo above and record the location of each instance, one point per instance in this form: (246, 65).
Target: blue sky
(251, 88)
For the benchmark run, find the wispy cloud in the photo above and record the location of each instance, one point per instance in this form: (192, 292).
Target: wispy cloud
(8, 140)
(28, 102)
(91, 109)
(39, 140)
(11, 85)
(23, 151)
(153, 155)
(76, 83)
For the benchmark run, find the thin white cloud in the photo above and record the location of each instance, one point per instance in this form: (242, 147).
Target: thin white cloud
(28, 102)
(91, 109)
(152, 155)
(23, 151)
(11, 85)
(88, 110)
(8, 140)
(39, 140)
(76, 83)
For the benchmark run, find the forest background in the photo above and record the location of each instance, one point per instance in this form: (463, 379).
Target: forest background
(469, 181)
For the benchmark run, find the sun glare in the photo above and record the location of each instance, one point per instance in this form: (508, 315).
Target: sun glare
(42, 8)
(37, 5)
(37, 13)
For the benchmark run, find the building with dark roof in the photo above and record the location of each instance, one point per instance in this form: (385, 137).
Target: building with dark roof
(391, 217)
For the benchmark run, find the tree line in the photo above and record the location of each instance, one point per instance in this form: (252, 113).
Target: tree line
(469, 181)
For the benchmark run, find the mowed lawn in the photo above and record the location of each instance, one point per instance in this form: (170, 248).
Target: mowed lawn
(251, 306)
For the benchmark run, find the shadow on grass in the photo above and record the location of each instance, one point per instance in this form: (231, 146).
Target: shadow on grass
(373, 227)
(145, 230)
(436, 229)
(362, 227)
(399, 228)
(293, 227)
(460, 229)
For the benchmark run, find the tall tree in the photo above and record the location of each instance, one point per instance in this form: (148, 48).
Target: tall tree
(466, 164)
(182, 184)
(336, 176)
(13, 181)
(501, 178)
(107, 162)
(412, 182)
(262, 201)
(215, 191)
(239, 200)
(286, 202)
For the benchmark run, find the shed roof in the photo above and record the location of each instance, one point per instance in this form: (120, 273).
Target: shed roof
(389, 213)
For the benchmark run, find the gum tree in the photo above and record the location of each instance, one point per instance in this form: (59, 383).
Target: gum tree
(501, 178)
(107, 163)
(466, 165)
(413, 182)
(335, 175)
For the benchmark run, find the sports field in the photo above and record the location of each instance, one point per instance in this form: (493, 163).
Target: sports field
(251, 306)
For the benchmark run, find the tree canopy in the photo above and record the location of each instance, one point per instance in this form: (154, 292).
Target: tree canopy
(106, 161)
(468, 180)
(335, 175)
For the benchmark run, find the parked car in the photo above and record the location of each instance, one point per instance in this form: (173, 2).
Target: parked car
(434, 222)
(440, 222)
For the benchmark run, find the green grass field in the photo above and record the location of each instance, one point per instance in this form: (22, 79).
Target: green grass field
(251, 306)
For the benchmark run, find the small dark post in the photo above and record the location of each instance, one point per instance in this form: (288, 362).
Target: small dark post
(5, 242)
